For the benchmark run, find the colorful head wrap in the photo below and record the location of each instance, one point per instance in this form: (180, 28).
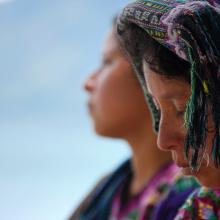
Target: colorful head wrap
(191, 30)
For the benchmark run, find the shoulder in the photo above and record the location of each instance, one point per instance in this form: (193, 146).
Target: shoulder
(103, 189)
(87, 200)
(203, 203)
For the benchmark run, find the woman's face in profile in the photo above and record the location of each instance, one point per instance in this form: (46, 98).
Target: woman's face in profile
(170, 97)
(116, 102)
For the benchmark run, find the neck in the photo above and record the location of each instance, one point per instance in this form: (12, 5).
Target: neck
(147, 159)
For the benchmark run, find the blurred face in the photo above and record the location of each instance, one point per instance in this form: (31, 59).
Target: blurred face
(116, 102)
(170, 97)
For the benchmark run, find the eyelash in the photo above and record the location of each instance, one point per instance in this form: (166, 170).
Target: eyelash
(180, 110)
(180, 113)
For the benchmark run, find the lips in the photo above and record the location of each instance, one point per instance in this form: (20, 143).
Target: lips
(183, 165)
(186, 170)
(90, 106)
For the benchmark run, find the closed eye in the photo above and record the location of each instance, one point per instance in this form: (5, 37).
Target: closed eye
(180, 112)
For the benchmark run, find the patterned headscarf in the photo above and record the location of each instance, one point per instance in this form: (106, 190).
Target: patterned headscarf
(191, 30)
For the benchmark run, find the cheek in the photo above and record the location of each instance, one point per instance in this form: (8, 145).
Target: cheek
(113, 85)
(181, 126)
(109, 94)
(172, 123)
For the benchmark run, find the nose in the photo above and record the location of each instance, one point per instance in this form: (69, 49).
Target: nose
(171, 134)
(90, 82)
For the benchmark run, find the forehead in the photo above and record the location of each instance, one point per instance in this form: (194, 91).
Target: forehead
(110, 44)
(162, 87)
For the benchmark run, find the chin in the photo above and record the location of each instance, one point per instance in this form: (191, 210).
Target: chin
(100, 131)
(105, 131)
(186, 171)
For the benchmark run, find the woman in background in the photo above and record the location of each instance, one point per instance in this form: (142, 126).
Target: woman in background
(118, 109)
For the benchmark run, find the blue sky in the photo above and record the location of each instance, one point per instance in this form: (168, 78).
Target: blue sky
(49, 155)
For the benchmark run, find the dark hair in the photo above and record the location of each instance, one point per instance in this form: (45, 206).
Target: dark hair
(140, 46)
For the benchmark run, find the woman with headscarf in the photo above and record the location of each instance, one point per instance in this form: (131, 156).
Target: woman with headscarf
(175, 46)
(137, 188)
